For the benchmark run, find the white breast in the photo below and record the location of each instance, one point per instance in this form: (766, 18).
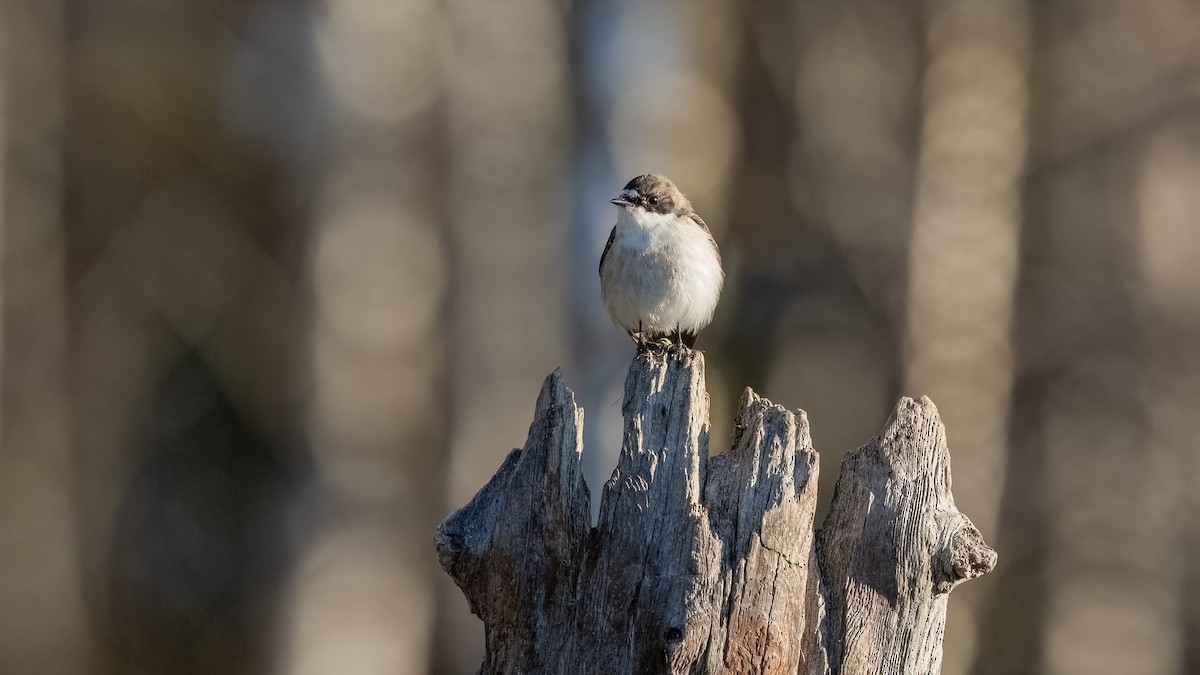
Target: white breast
(662, 274)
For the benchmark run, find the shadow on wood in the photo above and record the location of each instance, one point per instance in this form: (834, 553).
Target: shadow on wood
(710, 564)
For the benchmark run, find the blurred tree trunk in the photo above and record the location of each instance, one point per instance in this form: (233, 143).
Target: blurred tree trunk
(508, 136)
(184, 204)
(44, 627)
(766, 229)
(1104, 551)
(1091, 559)
(963, 252)
(858, 103)
(365, 598)
(1169, 211)
(591, 29)
(846, 77)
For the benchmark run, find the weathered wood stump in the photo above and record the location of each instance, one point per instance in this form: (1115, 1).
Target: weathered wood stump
(711, 564)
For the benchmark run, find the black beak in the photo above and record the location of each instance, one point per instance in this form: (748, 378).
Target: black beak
(620, 201)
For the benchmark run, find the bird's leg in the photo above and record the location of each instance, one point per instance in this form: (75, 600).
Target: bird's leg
(639, 338)
(676, 340)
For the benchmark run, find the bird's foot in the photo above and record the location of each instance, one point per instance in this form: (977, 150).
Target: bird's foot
(664, 344)
(677, 345)
(651, 343)
(668, 343)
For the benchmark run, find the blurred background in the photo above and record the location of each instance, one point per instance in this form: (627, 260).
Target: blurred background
(281, 279)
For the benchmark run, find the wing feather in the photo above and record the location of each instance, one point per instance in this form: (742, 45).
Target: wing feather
(704, 226)
(611, 236)
(699, 221)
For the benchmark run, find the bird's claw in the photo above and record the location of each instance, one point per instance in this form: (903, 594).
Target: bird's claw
(640, 340)
(666, 344)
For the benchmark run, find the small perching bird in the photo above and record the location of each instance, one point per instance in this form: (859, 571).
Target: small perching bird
(660, 273)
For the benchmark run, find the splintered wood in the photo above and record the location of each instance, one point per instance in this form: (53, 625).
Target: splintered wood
(711, 564)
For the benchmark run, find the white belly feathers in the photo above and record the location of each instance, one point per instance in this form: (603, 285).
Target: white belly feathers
(662, 274)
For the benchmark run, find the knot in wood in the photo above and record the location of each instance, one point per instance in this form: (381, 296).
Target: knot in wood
(965, 557)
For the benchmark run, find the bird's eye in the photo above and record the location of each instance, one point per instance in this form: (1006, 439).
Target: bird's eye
(653, 201)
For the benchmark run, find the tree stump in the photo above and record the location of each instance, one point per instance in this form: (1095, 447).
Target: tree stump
(711, 564)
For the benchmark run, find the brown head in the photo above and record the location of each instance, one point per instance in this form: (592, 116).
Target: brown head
(655, 193)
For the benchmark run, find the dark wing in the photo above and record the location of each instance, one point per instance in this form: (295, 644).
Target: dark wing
(704, 226)
(612, 235)
(699, 221)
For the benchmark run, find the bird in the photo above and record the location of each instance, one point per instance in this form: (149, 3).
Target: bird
(660, 272)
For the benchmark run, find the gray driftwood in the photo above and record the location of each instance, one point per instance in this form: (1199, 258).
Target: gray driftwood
(711, 564)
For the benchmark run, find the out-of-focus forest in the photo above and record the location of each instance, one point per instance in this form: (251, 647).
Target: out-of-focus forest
(281, 278)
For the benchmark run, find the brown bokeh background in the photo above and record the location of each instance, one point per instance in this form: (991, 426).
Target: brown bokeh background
(279, 280)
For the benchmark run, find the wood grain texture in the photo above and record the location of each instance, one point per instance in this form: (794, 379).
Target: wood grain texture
(708, 565)
(894, 545)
